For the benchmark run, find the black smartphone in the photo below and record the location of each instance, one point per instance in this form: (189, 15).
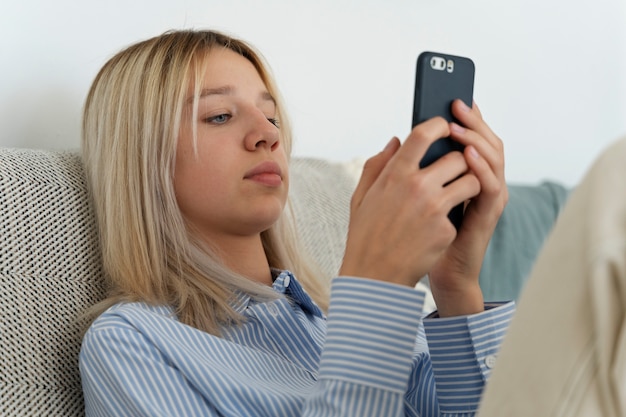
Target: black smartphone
(439, 80)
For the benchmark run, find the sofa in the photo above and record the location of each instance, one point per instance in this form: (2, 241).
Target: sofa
(50, 267)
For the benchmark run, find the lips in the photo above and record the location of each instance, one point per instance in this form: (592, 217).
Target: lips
(267, 173)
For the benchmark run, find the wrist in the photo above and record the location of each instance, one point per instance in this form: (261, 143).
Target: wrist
(460, 301)
(378, 271)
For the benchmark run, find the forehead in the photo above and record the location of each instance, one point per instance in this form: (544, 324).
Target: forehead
(223, 66)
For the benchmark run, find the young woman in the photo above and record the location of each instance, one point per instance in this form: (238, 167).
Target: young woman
(215, 311)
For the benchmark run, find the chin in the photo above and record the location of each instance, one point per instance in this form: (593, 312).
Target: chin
(266, 218)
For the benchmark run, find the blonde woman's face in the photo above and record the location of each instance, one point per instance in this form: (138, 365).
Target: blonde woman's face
(237, 182)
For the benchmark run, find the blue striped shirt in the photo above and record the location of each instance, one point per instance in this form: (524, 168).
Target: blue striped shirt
(374, 355)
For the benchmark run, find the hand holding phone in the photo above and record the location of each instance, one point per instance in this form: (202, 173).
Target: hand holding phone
(441, 79)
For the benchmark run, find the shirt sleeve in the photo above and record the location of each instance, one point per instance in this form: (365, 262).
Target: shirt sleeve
(462, 352)
(368, 352)
(375, 361)
(124, 374)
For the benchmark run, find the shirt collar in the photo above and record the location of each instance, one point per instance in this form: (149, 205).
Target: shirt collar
(239, 301)
(285, 283)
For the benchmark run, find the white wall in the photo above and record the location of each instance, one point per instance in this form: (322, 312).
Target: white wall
(550, 74)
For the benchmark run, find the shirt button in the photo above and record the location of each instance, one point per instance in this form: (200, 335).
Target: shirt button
(490, 361)
(286, 281)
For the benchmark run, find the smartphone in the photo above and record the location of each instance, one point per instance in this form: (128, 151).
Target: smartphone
(440, 79)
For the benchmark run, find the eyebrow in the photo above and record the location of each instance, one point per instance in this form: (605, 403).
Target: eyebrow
(226, 90)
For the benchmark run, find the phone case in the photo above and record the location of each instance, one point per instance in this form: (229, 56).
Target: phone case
(440, 79)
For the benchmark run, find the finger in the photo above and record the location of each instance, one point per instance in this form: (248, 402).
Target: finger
(494, 193)
(447, 168)
(417, 143)
(493, 155)
(372, 169)
(477, 109)
(489, 181)
(469, 137)
(462, 189)
(472, 119)
(460, 106)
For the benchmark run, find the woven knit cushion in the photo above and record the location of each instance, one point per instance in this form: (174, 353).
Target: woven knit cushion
(50, 272)
(50, 269)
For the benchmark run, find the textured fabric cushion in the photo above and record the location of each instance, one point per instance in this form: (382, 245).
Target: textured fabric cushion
(320, 193)
(518, 238)
(49, 273)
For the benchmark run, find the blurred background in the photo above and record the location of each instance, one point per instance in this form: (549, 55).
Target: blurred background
(550, 75)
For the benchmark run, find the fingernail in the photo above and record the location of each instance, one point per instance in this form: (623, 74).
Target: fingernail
(473, 152)
(457, 128)
(464, 106)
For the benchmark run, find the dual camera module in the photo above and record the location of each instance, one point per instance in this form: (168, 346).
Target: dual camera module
(440, 64)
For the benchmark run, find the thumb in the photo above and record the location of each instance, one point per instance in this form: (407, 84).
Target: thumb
(372, 169)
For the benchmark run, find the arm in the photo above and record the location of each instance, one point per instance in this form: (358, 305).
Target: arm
(367, 356)
(454, 277)
(462, 353)
(371, 364)
(124, 374)
(399, 230)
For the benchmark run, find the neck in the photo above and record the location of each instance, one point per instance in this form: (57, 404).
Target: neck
(246, 256)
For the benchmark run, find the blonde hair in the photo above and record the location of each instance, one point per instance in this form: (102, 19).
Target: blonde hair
(131, 123)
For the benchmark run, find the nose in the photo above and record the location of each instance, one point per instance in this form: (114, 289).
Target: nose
(261, 133)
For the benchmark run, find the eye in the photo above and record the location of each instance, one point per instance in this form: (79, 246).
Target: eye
(219, 119)
(274, 121)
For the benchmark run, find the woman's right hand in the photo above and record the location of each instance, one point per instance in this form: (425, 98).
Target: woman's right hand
(399, 224)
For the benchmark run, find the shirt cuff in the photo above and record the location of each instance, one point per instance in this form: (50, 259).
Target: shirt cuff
(463, 350)
(372, 326)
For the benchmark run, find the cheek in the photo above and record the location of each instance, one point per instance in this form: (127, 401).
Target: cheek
(197, 186)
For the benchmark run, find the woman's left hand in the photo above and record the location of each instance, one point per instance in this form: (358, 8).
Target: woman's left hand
(454, 277)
